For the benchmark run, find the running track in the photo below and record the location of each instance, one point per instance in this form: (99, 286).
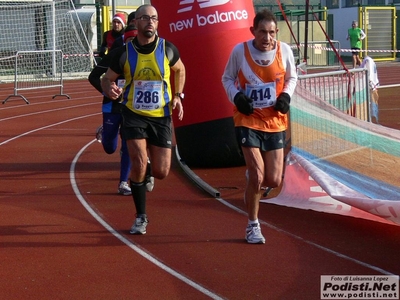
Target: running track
(64, 230)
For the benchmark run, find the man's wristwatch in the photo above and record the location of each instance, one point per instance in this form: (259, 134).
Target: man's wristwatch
(180, 95)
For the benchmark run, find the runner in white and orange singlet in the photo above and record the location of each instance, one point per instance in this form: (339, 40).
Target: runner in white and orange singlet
(260, 78)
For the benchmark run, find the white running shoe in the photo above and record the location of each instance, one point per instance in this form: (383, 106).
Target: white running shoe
(149, 177)
(124, 189)
(254, 235)
(139, 227)
(99, 133)
(149, 183)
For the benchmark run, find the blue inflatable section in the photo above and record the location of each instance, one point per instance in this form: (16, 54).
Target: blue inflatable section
(361, 183)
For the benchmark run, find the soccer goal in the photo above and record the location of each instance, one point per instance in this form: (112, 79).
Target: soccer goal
(44, 28)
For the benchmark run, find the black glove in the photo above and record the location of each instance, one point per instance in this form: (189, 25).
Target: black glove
(283, 103)
(243, 103)
(102, 51)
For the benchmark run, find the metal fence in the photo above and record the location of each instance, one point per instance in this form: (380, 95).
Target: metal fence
(37, 70)
(347, 91)
(319, 54)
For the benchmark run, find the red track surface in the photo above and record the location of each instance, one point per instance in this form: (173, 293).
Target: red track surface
(64, 230)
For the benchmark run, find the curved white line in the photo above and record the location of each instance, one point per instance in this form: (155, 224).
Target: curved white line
(46, 111)
(105, 224)
(48, 126)
(46, 102)
(127, 242)
(151, 258)
(389, 86)
(209, 188)
(309, 242)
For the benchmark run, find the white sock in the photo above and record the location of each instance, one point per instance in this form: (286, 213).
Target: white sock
(253, 222)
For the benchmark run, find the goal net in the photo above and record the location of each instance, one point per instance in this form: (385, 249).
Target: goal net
(32, 25)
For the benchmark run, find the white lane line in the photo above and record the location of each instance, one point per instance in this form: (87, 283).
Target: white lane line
(47, 111)
(389, 86)
(106, 225)
(153, 259)
(127, 242)
(45, 127)
(47, 103)
(209, 188)
(356, 261)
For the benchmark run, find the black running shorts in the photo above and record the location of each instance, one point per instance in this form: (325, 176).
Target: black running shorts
(355, 51)
(266, 141)
(157, 131)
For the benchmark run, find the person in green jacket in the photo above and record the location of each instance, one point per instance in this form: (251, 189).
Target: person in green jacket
(355, 35)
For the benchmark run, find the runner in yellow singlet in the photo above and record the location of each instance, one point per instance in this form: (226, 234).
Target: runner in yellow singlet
(149, 99)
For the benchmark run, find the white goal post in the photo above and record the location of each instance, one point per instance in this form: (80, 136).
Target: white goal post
(43, 25)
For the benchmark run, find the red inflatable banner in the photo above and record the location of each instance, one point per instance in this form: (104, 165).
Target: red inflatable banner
(205, 33)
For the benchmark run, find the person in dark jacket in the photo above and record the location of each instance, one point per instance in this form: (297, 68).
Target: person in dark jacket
(118, 26)
(108, 132)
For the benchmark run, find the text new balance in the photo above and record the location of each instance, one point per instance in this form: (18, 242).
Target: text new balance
(211, 19)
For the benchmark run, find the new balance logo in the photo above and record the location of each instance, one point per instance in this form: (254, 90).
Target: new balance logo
(204, 18)
(202, 3)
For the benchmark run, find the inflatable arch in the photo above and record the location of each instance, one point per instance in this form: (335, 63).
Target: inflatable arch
(205, 33)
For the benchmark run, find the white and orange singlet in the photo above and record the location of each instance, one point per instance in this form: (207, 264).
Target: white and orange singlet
(263, 84)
